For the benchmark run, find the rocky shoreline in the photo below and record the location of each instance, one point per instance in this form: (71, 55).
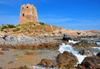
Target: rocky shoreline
(64, 60)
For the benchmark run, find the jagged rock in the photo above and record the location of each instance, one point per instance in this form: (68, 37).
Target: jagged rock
(86, 52)
(85, 44)
(66, 60)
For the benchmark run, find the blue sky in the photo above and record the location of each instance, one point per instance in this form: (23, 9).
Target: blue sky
(71, 14)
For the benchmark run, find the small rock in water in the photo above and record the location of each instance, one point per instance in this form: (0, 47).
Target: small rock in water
(5, 49)
(86, 52)
(48, 63)
(1, 53)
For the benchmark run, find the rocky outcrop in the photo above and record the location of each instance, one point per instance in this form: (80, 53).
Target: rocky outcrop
(23, 41)
(64, 60)
(67, 37)
(86, 52)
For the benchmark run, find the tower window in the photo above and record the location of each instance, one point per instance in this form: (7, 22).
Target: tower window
(23, 15)
(27, 7)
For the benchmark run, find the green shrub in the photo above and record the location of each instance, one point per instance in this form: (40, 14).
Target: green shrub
(7, 26)
(5, 31)
(4, 27)
(11, 26)
(41, 23)
(17, 29)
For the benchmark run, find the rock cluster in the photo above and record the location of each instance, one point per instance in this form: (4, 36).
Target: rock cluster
(22, 42)
(64, 60)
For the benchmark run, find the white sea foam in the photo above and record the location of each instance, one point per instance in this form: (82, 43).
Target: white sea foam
(36, 67)
(71, 41)
(69, 48)
(98, 43)
(98, 48)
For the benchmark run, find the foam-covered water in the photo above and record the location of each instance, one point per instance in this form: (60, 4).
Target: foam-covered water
(75, 51)
(98, 43)
(69, 48)
(71, 41)
(36, 67)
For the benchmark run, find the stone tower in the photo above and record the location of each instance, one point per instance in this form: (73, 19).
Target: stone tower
(28, 13)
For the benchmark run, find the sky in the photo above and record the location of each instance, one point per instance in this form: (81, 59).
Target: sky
(70, 14)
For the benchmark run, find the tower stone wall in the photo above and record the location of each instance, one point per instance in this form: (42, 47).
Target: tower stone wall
(28, 13)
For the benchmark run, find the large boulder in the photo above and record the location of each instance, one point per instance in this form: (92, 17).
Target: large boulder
(66, 60)
(92, 62)
(86, 52)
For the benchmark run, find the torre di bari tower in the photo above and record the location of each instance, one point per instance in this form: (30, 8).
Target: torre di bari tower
(28, 13)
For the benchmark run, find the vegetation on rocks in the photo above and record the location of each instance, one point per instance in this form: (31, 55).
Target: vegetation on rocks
(29, 29)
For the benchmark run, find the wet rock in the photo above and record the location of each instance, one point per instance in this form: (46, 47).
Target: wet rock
(91, 62)
(85, 44)
(66, 60)
(1, 53)
(98, 54)
(5, 49)
(86, 52)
